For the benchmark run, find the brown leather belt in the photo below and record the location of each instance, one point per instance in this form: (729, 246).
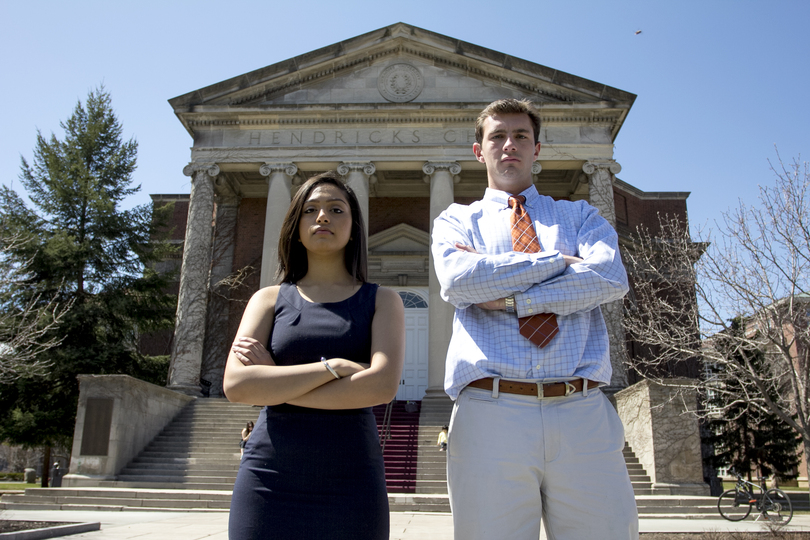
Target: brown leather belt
(531, 389)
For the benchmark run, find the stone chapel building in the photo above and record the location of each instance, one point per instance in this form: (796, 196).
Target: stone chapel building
(392, 111)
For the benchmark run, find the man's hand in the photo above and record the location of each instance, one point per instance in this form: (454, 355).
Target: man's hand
(250, 352)
(462, 247)
(569, 260)
(500, 303)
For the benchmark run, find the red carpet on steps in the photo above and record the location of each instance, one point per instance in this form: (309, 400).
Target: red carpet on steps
(400, 450)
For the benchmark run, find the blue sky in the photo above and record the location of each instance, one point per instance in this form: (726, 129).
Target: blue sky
(719, 82)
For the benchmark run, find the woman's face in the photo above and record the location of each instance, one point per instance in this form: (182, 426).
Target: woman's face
(326, 220)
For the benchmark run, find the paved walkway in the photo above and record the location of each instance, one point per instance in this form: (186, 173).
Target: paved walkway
(404, 525)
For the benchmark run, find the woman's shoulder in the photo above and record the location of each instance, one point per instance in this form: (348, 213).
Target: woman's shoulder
(388, 298)
(264, 299)
(267, 294)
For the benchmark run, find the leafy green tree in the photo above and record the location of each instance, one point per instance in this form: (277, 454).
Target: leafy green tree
(82, 249)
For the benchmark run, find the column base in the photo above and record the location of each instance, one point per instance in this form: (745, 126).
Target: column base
(435, 392)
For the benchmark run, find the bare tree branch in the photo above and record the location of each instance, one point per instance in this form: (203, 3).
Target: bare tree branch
(755, 269)
(25, 330)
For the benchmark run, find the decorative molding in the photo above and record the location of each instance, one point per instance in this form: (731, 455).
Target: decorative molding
(431, 167)
(400, 83)
(212, 169)
(298, 119)
(399, 231)
(590, 167)
(269, 167)
(366, 167)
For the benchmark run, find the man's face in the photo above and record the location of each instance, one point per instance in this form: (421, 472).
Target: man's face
(508, 150)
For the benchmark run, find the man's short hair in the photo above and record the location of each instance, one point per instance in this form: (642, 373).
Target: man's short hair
(508, 106)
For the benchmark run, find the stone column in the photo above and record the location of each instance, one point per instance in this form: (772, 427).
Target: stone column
(600, 176)
(600, 186)
(441, 177)
(217, 342)
(359, 174)
(189, 328)
(279, 182)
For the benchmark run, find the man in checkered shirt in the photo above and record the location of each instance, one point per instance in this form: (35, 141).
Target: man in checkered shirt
(532, 436)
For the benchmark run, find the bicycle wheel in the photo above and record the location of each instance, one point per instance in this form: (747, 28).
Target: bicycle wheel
(734, 505)
(777, 506)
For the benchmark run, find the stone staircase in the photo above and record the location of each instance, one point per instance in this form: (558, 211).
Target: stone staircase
(198, 450)
(192, 464)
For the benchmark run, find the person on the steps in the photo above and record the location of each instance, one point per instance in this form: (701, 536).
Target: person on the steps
(318, 351)
(442, 442)
(245, 436)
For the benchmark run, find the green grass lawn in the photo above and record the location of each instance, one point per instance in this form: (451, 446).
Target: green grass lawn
(16, 485)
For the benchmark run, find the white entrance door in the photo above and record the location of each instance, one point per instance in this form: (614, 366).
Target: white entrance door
(414, 380)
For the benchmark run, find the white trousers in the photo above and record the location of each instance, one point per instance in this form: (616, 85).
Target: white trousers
(513, 458)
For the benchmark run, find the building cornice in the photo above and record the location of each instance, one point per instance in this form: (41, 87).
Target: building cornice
(650, 195)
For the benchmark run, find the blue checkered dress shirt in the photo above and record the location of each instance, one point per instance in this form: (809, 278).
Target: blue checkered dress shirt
(486, 343)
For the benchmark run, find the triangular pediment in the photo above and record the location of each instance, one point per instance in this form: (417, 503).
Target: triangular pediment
(401, 238)
(391, 69)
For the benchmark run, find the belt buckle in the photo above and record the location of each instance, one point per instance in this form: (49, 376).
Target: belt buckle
(540, 391)
(569, 388)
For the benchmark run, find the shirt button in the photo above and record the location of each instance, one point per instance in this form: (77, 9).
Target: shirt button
(530, 310)
(528, 300)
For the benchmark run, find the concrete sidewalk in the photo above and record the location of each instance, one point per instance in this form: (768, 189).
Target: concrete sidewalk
(404, 525)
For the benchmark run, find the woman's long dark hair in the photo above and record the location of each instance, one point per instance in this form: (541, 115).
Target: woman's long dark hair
(292, 255)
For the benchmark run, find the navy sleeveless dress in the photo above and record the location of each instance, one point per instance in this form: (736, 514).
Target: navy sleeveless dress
(312, 473)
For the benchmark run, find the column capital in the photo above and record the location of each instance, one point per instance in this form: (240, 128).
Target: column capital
(286, 167)
(212, 169)
(431, 167)
(366, 167)
(592, 166)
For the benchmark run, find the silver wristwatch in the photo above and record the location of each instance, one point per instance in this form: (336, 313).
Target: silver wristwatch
(510, 303)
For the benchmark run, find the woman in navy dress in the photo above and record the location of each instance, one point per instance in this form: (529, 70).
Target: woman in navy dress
(318, 351)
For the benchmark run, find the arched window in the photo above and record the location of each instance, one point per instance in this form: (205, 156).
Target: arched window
(412, 300)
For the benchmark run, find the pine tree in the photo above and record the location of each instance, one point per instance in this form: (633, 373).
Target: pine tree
(745, 438)
(83, 249)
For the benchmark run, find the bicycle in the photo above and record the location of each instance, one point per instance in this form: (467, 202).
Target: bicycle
(772, 504)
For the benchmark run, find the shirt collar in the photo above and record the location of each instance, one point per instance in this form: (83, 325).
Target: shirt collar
(502, 197)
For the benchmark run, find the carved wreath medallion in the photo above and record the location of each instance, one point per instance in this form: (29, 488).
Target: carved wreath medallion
(400, 83)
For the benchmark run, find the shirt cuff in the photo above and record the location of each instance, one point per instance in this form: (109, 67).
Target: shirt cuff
(528, 303)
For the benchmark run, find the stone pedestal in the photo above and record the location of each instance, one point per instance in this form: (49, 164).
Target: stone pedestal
(664, 435)
(117, 417)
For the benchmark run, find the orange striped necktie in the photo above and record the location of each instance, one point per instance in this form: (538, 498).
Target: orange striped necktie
(540, 328)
